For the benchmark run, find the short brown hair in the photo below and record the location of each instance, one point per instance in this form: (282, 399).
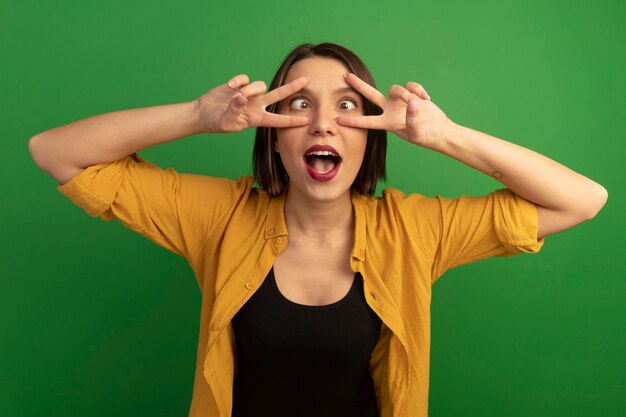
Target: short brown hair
(269, 171)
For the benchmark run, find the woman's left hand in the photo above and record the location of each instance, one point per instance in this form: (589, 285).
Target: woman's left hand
(407, 113)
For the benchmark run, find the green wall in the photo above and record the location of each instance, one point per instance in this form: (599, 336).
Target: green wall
(96, 320)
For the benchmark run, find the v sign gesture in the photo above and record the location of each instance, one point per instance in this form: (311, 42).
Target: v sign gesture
(407, 113)
(239, 105)
(563, 201)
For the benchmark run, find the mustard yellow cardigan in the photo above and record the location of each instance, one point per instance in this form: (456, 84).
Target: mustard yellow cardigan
(231, 233)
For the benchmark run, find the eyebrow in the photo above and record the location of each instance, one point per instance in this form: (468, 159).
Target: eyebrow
(341, 90)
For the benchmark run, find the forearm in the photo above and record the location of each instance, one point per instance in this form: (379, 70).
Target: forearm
(563, 197)
(527, 173)
(111, 136)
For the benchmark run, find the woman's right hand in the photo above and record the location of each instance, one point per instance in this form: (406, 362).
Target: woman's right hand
(239, 104)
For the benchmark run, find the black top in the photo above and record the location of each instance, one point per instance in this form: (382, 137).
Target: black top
(301, 360)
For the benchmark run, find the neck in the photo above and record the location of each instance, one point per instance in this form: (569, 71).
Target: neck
(318, 220)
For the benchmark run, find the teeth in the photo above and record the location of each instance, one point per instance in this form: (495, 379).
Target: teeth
(322, 153)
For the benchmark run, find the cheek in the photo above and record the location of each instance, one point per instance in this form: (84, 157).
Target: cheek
(282, 140)
(285, 149)
(289, 139)
(362, 144)
(362, 150)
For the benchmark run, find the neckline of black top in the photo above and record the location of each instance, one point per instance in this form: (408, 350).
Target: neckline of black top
(324, 307)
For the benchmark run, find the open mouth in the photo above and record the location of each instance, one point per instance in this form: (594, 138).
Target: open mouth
(322, 162)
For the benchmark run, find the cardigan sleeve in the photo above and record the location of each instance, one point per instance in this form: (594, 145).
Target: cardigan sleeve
(457, 231)
(174, 210)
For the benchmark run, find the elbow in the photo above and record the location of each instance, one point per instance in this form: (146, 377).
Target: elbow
(43, 156)
(41, 153)
(580, 210)
(34, 147)
(597, 200)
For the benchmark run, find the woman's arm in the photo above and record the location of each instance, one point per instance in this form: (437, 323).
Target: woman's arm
(563, 197)
(65, 151)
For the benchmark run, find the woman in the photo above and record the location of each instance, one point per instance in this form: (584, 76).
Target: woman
(315, 296)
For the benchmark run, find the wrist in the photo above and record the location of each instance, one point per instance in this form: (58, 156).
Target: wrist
(449, 134)
(195, 119)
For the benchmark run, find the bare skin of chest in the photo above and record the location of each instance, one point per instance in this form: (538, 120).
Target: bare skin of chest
(314, 273)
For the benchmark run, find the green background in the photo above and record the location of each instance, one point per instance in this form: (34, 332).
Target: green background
(96, 320)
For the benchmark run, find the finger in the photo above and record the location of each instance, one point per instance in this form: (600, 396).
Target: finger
(279, 120)
(399, 92)
(254, 89)
(227, 122)
(285, 91)
(412, 113)
(238, 81)
(417, 89)
(364, 122)
(367, 90)
(237, 104)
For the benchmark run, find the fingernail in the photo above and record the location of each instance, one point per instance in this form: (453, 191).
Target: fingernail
(230, 84)
(427, 96)
(239, 99)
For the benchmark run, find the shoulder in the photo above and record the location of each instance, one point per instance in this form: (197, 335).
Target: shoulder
(240, 192)
(395, 198)
(219, 185)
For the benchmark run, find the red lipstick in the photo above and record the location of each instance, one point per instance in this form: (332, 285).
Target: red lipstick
(323, 151)
(316, 148)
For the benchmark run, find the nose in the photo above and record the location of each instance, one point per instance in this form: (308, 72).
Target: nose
(323, 122)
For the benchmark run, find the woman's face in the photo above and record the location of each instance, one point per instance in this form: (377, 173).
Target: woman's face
(323, 157)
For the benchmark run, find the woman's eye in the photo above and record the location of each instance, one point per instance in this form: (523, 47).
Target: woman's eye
(299, 104)
(347, 104)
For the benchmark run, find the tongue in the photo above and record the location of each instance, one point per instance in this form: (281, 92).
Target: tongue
(322, 165)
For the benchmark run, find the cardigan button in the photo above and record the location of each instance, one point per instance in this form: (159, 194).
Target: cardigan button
(280, 240)
(248, 285)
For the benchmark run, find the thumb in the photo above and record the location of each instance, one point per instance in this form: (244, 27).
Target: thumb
(235, 109)
(237, 104)
(412, 114)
